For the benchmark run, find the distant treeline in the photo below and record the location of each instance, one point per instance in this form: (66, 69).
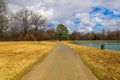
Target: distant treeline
(17, 35)
(103, 35)
(28, 25)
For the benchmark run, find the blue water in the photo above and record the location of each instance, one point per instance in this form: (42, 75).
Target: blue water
(108, 45)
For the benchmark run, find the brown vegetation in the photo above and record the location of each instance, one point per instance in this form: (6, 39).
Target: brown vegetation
(16, 57)
(104, 63)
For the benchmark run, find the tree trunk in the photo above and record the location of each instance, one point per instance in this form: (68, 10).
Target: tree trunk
(60, 40)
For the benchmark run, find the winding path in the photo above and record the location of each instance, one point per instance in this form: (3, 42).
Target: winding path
(61, 64)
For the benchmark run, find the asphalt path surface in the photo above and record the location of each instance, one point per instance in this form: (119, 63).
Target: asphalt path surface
(61, 64)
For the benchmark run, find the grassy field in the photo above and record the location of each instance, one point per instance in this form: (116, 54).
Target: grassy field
(105, 64)
(17, 57)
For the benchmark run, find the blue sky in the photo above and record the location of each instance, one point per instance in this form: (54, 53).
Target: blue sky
(77, 15)
(97, 27)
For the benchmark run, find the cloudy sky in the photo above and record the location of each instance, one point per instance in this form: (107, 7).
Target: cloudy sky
(77, 15)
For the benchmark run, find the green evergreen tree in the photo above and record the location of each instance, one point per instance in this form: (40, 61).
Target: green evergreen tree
(62, 33)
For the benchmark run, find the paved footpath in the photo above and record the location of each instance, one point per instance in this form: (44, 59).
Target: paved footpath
(61, 64)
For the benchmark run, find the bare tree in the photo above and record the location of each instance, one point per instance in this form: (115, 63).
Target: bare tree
(3, 6)
(118, 34)
(3, 20)
(38, 21)
(13, 28)
(23, 19)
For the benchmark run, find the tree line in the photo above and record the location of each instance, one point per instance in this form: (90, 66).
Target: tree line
(23, 25)
(103, 35)
(27, 25)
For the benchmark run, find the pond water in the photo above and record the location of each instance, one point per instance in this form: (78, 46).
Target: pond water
(108, 45)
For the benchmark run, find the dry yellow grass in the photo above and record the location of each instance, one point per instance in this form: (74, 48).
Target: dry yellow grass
(15, 57)
(105, 64)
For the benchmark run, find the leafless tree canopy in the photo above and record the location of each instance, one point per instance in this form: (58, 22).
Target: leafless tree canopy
(28, 24)
(23, 19)
(38, 21)
(3, 6)
(3, 19)
(103, 35)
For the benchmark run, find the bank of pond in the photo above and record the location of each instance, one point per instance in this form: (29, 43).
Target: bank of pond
(107, 44)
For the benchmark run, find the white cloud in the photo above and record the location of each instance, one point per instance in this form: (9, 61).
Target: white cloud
(62, 11)
(68, 22)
